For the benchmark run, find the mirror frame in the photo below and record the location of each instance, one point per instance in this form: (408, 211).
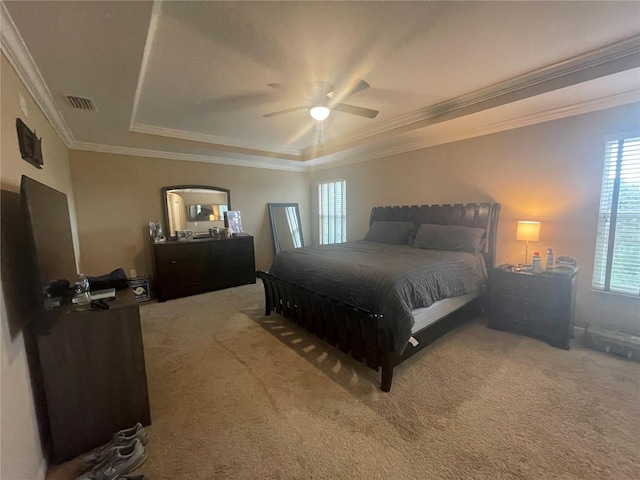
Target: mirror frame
(178, 187)
(276, 242)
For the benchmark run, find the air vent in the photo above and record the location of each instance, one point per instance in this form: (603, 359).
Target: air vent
(81, 103)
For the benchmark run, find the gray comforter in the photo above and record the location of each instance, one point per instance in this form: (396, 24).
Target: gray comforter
(391, 280)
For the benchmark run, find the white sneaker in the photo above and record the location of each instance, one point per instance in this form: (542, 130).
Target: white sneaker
(120, 439)
(119, 461)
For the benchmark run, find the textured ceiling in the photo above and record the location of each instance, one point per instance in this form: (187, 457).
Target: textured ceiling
(194, 78)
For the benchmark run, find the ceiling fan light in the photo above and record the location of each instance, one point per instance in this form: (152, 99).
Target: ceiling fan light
(319, 112)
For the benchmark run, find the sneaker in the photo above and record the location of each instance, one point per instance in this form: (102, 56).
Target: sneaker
(122, 438)
(119, 462)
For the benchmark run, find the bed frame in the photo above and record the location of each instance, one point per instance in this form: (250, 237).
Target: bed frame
(353, 329)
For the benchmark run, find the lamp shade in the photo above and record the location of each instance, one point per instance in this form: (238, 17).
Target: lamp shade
(319, 112)
(529, 231)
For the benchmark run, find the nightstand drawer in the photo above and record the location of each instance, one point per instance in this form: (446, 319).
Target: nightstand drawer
(519, 315)
(528, 301)
(533, 286)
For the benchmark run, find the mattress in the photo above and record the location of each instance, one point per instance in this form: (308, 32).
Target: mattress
(423, 317)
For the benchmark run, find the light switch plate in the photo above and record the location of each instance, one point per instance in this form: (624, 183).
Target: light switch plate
(23, 105)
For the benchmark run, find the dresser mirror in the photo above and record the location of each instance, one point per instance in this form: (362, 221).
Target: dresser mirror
(194, 207)
(285, 226)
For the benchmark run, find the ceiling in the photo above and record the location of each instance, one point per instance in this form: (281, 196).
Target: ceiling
(193, 80)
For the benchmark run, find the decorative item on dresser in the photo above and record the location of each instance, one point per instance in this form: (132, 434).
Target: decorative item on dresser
(201, 265)
(540, 305)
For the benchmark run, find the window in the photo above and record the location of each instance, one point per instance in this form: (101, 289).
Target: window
(617, 260)
(332, 204)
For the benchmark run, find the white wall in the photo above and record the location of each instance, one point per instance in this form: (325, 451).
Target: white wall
(21, 456)
(549, 172)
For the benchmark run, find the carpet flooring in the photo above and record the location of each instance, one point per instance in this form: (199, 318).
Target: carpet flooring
(237, 395)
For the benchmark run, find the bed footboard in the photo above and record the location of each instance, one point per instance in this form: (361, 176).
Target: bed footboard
(351, 329)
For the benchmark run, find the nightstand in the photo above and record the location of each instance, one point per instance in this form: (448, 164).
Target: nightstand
(540, 305)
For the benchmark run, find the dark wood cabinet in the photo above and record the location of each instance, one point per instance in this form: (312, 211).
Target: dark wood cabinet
(94, 375)
(185, 268)
(540, 305)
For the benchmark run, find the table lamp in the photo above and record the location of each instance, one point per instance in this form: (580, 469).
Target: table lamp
(529, 232)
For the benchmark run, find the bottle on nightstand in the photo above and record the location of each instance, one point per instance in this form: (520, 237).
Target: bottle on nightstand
(549, 266)
(537, 263)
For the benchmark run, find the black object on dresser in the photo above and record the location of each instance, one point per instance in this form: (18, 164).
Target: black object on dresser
(94, 375)
(185, 268)
(540, 305)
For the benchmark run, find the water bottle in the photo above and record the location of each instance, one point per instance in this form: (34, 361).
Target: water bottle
(82, 290)
(537, 263)
(549, 259)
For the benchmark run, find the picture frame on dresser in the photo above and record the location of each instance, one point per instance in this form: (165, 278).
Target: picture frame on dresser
(233, 220)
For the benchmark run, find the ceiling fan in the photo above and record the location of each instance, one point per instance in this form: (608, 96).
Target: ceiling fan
(324, 99)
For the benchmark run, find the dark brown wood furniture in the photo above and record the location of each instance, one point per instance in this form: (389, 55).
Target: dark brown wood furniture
(184, 268)
(354, 329)
(540, 305)
(94, 375)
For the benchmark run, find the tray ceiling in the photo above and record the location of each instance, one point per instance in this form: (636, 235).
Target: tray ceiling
(193, 80)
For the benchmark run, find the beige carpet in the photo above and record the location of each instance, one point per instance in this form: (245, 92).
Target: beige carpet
(236, 395)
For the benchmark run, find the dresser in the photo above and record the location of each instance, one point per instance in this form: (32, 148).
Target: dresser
(93, 374)
(184, 268)
(540, 305)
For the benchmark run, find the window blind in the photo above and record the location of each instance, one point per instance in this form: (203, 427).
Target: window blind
(617, 258)
(332, 202)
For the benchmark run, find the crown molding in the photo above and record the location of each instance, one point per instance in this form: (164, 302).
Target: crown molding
(589, 106)
(610, 59)
(16, 51)
(256, 162)
(319, 164)
(284, 153)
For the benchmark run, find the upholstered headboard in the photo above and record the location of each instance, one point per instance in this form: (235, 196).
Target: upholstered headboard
(477, 215)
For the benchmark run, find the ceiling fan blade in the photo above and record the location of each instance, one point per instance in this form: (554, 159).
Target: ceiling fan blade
(282, 112)
(345, 90)
(354, 110)
(361, 85)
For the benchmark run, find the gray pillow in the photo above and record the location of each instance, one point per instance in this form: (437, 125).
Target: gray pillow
(394, 233)
(449, 237)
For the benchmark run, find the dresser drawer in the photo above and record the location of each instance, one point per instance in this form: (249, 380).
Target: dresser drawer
(235, 246)
(182, 267)
(176, 288)
(181, 252)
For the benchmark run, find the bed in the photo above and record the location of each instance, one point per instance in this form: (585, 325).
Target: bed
(384, 298)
